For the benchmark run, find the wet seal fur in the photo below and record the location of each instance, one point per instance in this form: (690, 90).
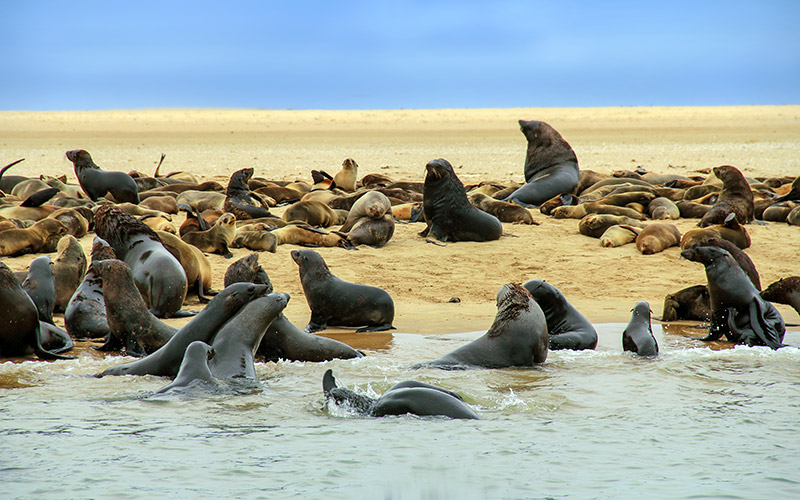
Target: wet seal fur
(40, 285)
(158, 274)
(551, 166)
(638, 335)
(409, 397)
(448, 213)
(85, 316)
(194, 368)
(736, 197)
(518, 336)
(567, 328)
(97, 183)
(737, 309)
(334, 302)
(283, 340)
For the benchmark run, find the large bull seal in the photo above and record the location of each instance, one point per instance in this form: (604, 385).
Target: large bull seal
(97, 183)
(448, 213)
(551, 167)
(409, 397)
(518, 336)
(566, 326)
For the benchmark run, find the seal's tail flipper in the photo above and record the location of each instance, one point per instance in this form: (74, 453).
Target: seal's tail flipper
(328, 382)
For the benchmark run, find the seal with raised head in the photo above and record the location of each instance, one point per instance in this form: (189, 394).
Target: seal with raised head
(567, 328)
(166, 361)
(85, 316)
(235, 343)
(345, 179)
(448, 213)
(217, 238)
(518, 336)
(737, 309)
(551, 166)
(657, 237)
(247, 270)
(744, 261)
(736, 197)
(158, 274)
(97, 183)
(409, 397)
(335, 302)
(69, 267)
(130, 324)
(238, 199)
(194, 368)
(20, 328)
(638, 335)
(41, 287)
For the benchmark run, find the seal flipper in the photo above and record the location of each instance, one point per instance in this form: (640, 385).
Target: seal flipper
(38, 198)
(328, 382)
(379, 328)
(41, 352)
(763, 330)
(312, 327)
(715, 330)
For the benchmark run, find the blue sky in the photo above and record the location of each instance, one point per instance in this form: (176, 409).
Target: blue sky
(377, 55)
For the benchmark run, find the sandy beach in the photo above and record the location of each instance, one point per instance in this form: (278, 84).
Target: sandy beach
(482, 144)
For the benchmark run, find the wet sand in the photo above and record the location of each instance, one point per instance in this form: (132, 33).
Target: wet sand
(603, 283)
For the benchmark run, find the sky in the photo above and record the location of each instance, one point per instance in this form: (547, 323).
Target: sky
(75, 55)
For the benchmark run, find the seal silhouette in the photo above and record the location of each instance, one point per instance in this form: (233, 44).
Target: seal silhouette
(638, 335)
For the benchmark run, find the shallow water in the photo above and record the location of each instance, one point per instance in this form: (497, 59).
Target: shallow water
(692, 423)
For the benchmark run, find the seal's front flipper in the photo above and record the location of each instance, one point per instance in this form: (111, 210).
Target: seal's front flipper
(312, 327)
(183, 314)
(328, 381)
(379, 328)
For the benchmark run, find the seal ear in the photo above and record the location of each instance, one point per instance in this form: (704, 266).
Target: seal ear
(328, 382)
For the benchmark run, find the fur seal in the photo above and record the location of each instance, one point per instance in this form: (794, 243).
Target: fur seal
(503, 210)
(97, 183)
(784, 291)
(283, 340)
(737, 309)
(20, 328)
(561, 200)
(194, 263)
(194, 368)
(778, 212)
(793, 218)
(518, 336)
(217, 239)
(736, 197)
(262, 241)
(448, 213)
(166, 204)
(43, 236)
(662, 208)
(370, 220)
(551, 167)
(166, 361)
(595, 207)
(158, 274)
(692, 210)
(40, 286)
(657, 237)
(730, 230)
(312, 212)
(306, 235)
(130, 324)
(334, 302)
(638, 335)
(239, 200)
(346, 178)
(618, 235)
(76, 223)
(567, 328)
(738, 255)
(690, 303)
(410, 397)
(69, 267)
(85, 315)
(236, 342)
(594, 225)
(247, 270)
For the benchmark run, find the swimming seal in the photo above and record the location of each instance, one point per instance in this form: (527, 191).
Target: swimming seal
(551, 167)
(736, 197)
(737, 309)
(69, 267)
(236, 342)
(96, 182)
(158, 274)
(166, 361)
(638, 335)
(518, 336)
(567, 328)
(448, 213)
(85, 316)
(334, 302)
(409, 397)
(194, 367)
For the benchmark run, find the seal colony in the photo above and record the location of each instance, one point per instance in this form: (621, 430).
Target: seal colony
(530, 319)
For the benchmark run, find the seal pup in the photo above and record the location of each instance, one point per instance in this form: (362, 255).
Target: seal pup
(691, 303)
(662, 208)
(784, 291)
(247, 270)
(567, 328)
(409, 397)
(737, 309)
(40, 285)
(239, 200)
(551, 167)
(449, 215)
(236, 342)
(334, 302)
(43, 236)
(158, 274)
(166, 361)
(96, 182)
(85, 315)
(518, 336)
(20, 328)
(194, 368)
(217, 238)
(69, 267)
(618, 235)
(638, 335)
(729, 230)
(131, 325)
(736, 197)
(345, 179)
(370, 221)
(503, 210)
(657, 237)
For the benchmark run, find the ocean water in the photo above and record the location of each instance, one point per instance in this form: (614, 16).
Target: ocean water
(693, 423)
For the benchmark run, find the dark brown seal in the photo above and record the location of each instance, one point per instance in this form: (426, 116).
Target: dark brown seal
(784, 291)
(638, 335)
(247, 270)
(40, 286)
(85, 316)
(594, 225)
(97, 183)
(503, 210)
(690, 303)
(239, 200)
(736, 197)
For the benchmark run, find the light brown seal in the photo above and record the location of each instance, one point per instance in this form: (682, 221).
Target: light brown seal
(618, 235)
(311, 212)
(730, 230)
(195, 264)
(503, 210)
(663, 208)
(594, 225)
(217, 239)
(69, 267)
(582, 210)
(43, 236)
(657, 237)
(346, 178)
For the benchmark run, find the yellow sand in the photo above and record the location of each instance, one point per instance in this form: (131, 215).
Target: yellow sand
(482, 144)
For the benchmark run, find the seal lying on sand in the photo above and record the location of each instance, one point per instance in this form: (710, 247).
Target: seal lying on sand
(448, 213)
(638, 335)
(567, 328)
(96, 183)
(551, 167)
(518, 336)
(410, 397)
(334, 302)
(370, 220)
(737, 309)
